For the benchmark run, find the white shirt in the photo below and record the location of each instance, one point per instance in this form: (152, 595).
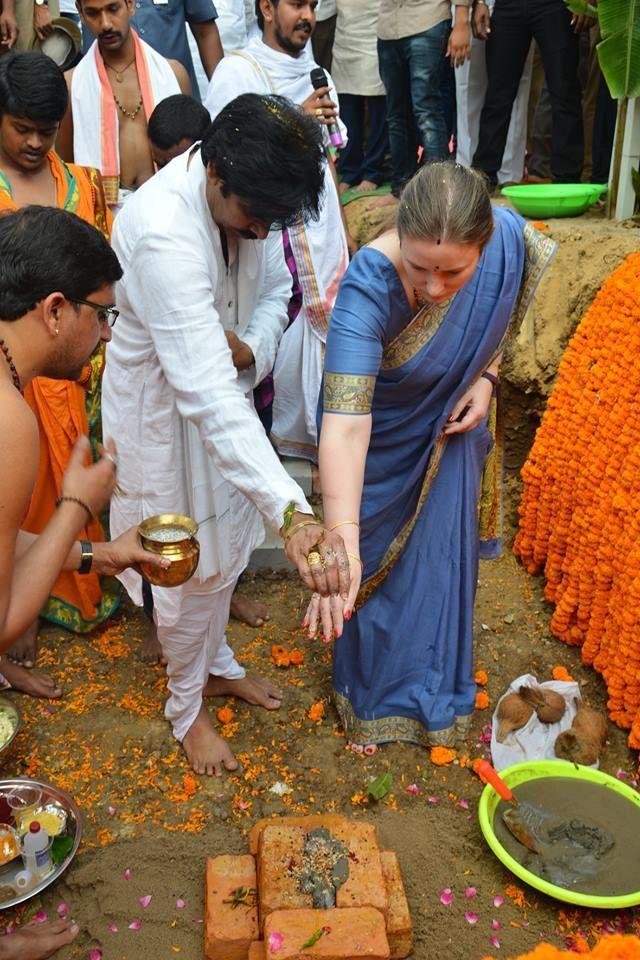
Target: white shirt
(188, 437)
(325, 10)
(354, 62)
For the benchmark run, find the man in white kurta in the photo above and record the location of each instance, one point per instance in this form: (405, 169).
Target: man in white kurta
(188, 437)
(279, 60)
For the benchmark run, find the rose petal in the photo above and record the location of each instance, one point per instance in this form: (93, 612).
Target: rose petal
(471, 917)
(95, 954)
(621, 774)
(135, 925)
(145, 901)
(275, 941)
(496, 925)
(111, 811)
(498, 901)
(62, 909)
(445, 897)
(464, 804)
(495, 942)
(470, 892)
(432, 799)
(180, 904)
(40, 917)
(127, 874)
(413, 788)
(113, 927)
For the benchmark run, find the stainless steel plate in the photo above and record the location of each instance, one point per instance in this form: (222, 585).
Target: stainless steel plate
(50, 794)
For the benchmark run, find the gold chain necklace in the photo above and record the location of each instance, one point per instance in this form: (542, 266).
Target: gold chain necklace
(119, 73)
(132, 114)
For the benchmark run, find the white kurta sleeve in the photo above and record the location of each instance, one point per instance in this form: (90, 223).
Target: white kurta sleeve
(172, 291)
(269, 319)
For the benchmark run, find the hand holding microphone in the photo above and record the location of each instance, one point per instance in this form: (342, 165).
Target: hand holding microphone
(320, 106)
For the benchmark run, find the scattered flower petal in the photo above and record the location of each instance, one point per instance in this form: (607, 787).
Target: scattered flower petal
(496, 925)
(145, 901)
(432, 799)
(470, 892)
(413, 788)
(40, 917)
(445, 897)
(280, 788)
(127, 874)
(135, 925)
(471, 917)
(95, 954)
(621, 774)
(464, 804)
(275, 941)
(111, 811)
(180, 904)
(113, 927)
(62, 909)
(495, 942)
(498, 901)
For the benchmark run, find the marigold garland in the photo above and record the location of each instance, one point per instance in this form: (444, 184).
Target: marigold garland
(615, 947)
(580, 509)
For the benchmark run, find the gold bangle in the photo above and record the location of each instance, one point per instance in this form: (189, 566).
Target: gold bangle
(298, 526)
(353, 557)
(342, 523)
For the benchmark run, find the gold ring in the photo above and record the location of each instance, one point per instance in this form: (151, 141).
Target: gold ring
(319, 112)
(314, 559)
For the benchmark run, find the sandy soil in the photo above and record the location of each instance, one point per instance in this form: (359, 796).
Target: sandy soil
(108, 744)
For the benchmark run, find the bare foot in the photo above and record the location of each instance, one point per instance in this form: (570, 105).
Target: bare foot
(206, 750)
(343, 187)
(256, 690)
(24, 650)
(248, 611)
(151, 651)
(35, 684)
(365, 186)
(37, 941)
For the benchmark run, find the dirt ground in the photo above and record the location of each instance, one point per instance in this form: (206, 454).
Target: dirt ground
(145, 813)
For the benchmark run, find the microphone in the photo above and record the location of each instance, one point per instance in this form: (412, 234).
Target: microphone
(319, 79)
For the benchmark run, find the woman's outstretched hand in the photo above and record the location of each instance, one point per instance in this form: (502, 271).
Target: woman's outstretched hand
(471, 408)
(329, 613)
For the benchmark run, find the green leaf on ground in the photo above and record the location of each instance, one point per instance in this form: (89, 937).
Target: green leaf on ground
(380, 787)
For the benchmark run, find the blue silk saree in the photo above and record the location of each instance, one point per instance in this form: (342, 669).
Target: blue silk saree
(403, 668)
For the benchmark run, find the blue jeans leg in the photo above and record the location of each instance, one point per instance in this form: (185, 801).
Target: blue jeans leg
(394, 72)
(352, 113)
(377, 141)
(425, 53)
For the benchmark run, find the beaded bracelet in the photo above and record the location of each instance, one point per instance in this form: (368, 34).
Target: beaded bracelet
(78, 501)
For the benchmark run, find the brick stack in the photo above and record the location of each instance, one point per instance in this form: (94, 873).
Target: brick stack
(255, 909)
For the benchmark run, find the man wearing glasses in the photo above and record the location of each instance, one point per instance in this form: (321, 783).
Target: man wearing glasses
(33, 99)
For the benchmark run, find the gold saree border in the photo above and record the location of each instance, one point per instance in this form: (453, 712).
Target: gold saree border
(399, 542)
(415, 335)
(348, 393)
(390, 729)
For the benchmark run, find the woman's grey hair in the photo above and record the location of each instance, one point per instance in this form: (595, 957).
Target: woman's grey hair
(446, 202)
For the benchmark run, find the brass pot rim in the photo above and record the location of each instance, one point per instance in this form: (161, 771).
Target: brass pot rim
(147, 526)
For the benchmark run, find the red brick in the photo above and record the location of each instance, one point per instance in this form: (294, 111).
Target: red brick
(281, 847)
(311, 822)
(353, 934)
(399, 926)
(365, 886)
(229, 932)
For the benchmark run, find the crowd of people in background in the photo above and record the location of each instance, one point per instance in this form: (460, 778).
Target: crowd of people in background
(168, 127)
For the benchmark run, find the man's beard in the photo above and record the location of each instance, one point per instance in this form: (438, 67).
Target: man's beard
(288, 45)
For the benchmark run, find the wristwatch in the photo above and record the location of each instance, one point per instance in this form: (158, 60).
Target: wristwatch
(86, 548)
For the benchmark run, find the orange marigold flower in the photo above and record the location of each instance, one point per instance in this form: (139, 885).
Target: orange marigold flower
(316, 711)
(225, 715)
(482, 678)
(561, 673)
(296, 657)
(440, 756)
(482, 700)
(280, 655)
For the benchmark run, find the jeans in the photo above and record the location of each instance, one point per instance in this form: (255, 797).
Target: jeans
(513, 24)
(363, 156)
(411, 71)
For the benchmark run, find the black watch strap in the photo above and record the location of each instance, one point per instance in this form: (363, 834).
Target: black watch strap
(86, 553)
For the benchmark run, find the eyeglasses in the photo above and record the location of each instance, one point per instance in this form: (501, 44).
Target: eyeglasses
(107, 315)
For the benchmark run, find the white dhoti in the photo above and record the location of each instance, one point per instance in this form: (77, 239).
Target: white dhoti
(196, 647)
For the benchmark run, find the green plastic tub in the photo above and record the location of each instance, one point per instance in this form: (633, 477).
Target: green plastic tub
(541, 200)
(520, 773)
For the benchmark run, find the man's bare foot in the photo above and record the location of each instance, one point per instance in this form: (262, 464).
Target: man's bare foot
(365, 186)
(206, 750)
(24, 650)
(34, 684)
(256, 690)
(248, 611)
(37, 941)
(151, 651)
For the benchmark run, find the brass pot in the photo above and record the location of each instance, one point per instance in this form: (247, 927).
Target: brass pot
(183, 551)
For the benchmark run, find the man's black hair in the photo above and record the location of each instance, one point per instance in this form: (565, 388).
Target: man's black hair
(270, 156)
(44, 250)
(176, 118)
(259, 17)
(32, 86)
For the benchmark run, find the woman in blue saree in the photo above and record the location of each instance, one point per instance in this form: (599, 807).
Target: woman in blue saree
(411, 365)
